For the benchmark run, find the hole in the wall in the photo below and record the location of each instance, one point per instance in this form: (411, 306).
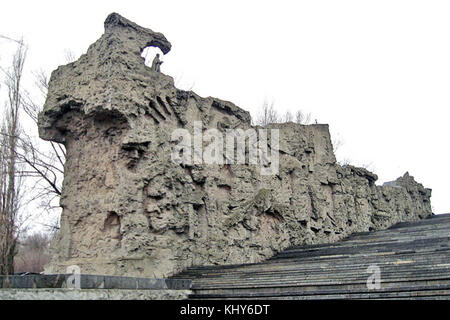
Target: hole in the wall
(149, 54)
(314, 229)
(112, 225)
(197, 206)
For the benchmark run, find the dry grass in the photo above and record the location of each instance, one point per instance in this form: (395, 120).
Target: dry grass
(33, 254)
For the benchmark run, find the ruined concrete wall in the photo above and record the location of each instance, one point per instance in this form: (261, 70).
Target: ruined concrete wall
(128, 209)
(92, 294)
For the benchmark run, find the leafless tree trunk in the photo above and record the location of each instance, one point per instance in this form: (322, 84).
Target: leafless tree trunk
(24, 157)
(42, 161)
(10, 179)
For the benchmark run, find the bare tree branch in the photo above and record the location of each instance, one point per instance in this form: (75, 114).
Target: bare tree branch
(10, 180)
(24, 158)
(269, 114)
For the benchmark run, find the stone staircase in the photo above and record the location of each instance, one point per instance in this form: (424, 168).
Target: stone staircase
(413, 261)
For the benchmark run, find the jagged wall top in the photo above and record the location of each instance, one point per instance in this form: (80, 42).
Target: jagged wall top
(110, 78)
(143, 37)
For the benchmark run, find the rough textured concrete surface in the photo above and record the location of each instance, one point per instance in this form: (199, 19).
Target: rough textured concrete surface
(87, 281)
(92, 294)
(129, 210)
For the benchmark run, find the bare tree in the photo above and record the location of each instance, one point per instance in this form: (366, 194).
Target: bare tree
(302, 118)
(344, 162)
(268, 115)
(10, 174)
(44, 171)
(44, 159)
(69, 56)
(25, 162)
(337, 144)
(288, 117)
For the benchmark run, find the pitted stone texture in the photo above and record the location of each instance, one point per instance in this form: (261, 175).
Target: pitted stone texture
(87, 281)
(92, 294)
(129, 210)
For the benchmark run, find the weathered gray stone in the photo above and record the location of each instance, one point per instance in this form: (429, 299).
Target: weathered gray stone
(38, 281)
(129, 210)
(92, 294)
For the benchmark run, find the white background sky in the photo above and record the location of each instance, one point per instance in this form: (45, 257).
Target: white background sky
(378, 72)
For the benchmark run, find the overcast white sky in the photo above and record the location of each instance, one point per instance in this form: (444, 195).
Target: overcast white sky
(378, 72)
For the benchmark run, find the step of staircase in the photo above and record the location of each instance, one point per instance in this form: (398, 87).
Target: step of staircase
(413, 259)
